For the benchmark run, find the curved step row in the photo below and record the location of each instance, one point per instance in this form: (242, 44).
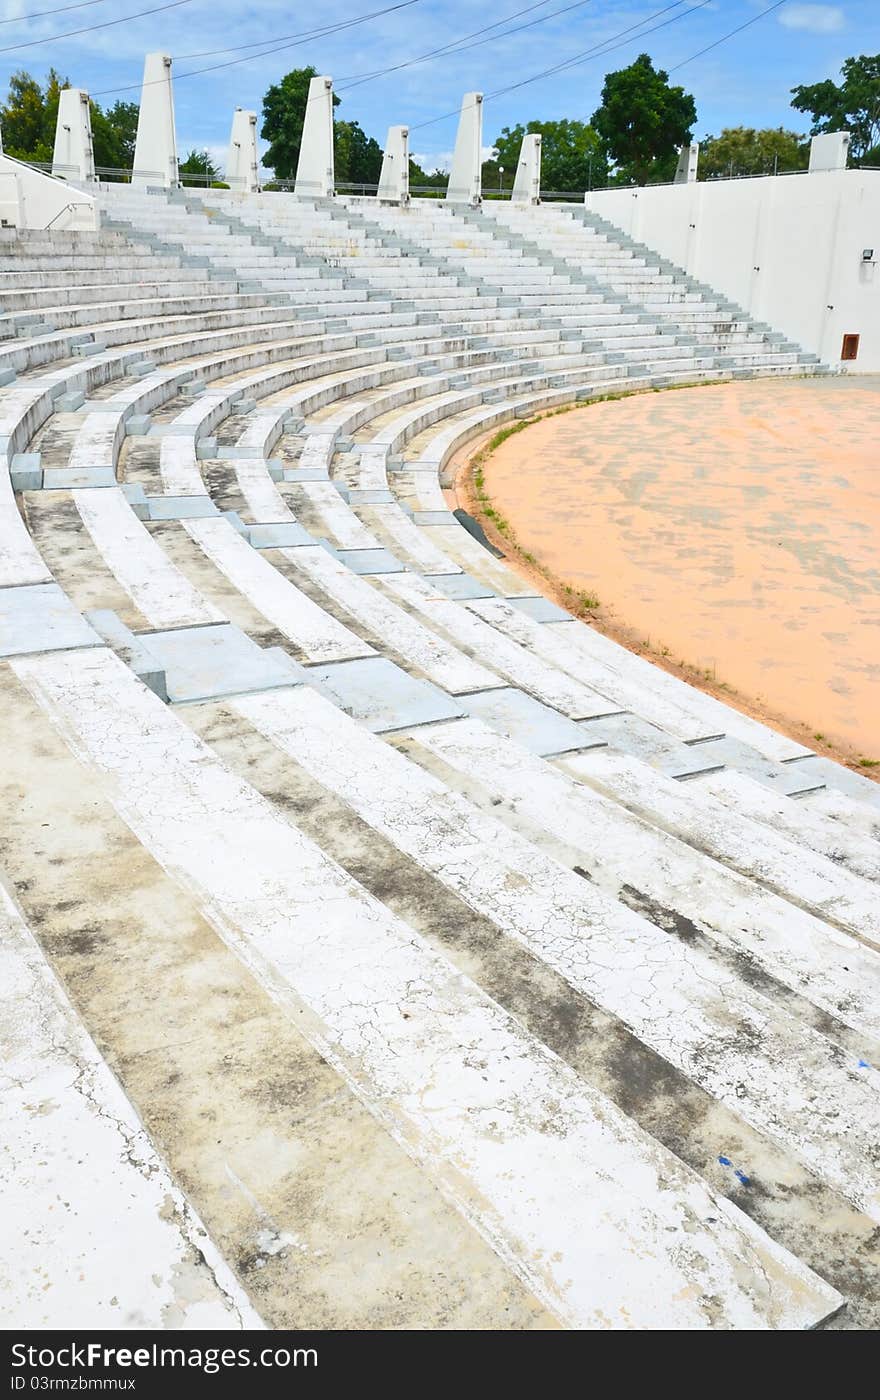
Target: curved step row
(423, 823)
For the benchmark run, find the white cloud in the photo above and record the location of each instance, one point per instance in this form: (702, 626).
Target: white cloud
(816, 19)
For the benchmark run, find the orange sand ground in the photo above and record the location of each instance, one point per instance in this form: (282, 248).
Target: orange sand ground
(737, 525)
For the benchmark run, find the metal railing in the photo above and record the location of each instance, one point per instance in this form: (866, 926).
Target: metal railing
(367, 189)
(65, 209)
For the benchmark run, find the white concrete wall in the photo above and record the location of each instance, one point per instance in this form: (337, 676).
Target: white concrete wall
(30, 199)
(788, 249)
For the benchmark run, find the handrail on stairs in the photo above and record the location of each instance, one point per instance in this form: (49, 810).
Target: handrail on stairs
(65, 209)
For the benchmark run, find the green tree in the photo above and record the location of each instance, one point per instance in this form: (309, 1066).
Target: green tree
(105, 141)
(852, 105)
(121, 120)
(284, 111)
(492, 178)
(29, 115)
(198, 163)
(417, 176)
(572, 154)
(357, 156)
(740, 150)
(643, 121)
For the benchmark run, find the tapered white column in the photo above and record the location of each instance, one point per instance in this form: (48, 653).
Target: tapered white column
(464, 179)
(686, 172)
(155, 151)
(74, 157)
(829, 151)
(314, 171)
(527, 183)
(394, 178)
(242, 164)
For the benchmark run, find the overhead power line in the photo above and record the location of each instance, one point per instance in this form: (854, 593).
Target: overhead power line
(636, 31)
(90, 28)
(614, 41)
(724, 37)
(626, 36)
(59, 10)
(274, 48)
(456, 46)
(459, 45)
(311, 33)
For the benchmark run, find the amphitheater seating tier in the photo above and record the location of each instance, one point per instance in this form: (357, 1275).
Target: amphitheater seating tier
(393, 949)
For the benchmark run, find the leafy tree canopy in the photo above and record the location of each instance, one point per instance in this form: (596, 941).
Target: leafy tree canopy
(121, 122)
(740, 150)
(284, 111)
(357, 156)
(852, 105)
(30, 113)
(199, 163)
(417, 176)
(572, 154)
(643, 121)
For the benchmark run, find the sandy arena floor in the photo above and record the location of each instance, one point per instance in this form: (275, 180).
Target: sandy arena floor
(737, 525)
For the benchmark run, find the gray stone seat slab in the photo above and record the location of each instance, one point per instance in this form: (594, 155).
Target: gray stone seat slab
(40, 617)
(305, 474)
(815, 769)
(131, 648)
(730, 752)
(286, 534)
(138, 425)
(365, 497)
(233, 453)
(539, 609)
(629, 734)
(203, 663)
(460, 586)
(72, 478)
(369, 561)
(529, 722)
(381, 695)
(181, 507)
(434, 517)
(102, 406)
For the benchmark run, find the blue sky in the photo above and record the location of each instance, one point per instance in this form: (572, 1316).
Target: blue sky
(744, 81)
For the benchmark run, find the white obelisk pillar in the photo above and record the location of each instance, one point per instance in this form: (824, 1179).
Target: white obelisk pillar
(74, 157)
(464, 179)
(686, 171)
(527, 183)
(155, 150)
(314, 170)
(242, 165)
(394, 179)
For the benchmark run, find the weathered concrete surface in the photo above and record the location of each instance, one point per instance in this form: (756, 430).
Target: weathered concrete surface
(424, 1029)
(256, 1125)
(498, 1123)
(109, 1240)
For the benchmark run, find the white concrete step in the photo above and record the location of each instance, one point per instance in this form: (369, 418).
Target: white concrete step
(453, 1058)
(109, 1240)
